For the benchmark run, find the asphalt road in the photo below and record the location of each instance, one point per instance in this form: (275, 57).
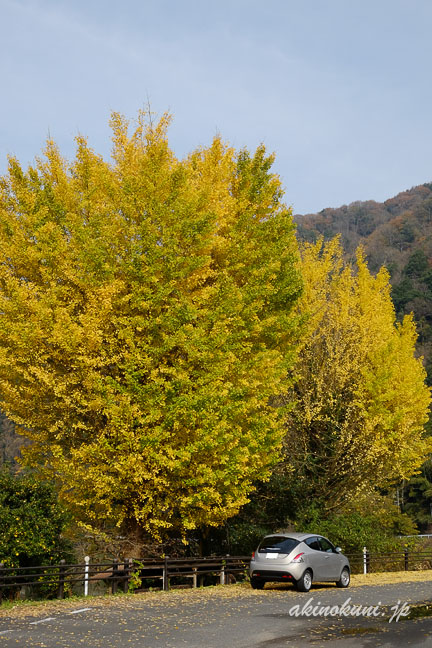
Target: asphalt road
(233, 617)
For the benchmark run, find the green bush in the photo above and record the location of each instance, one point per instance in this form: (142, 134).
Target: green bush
(31, 522)
(376, 527)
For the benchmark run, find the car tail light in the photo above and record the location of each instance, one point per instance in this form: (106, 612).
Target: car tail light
(298, 558)
(253, 555)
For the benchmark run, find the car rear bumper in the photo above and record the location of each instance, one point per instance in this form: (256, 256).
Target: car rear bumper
(274, 576)
(284, 571)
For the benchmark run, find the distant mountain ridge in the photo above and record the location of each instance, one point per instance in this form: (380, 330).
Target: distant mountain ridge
(396, 233)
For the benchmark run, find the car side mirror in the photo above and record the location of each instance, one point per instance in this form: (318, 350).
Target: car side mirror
(338, 550)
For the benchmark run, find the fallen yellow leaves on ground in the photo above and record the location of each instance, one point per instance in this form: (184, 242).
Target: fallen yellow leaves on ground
(176, 597)
(390, 577)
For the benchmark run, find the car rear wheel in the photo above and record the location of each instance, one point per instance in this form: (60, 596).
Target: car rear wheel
(257, 583)
(305, 582)
(344, 579)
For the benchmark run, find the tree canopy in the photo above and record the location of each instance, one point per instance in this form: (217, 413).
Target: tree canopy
(146, 318)
(361, 401)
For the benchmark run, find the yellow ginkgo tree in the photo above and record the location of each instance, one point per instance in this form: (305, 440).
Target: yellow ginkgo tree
(147, 316)
(360, 399)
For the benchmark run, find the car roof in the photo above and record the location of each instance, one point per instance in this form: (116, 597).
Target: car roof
(293, 534)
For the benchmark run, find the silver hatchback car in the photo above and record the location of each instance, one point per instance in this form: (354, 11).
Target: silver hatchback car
(298, 558)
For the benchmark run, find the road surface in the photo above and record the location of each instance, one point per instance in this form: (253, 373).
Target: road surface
(232, 616)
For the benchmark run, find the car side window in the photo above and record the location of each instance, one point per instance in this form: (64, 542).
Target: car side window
(326, 545)
(313, 543)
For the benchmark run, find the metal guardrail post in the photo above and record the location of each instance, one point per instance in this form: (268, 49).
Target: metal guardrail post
(86, 575)
(61, 580)
(114, 583)
(222, 573)
(406, 559)
(194, 577)
(365, 561)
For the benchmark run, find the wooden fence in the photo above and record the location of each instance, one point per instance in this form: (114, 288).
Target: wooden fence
(163, 572)
(119, 574)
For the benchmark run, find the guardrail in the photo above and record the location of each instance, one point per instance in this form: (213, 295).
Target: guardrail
(162, 572)
(406, 560)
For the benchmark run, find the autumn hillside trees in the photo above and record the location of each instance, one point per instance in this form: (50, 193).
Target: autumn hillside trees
(146, 318)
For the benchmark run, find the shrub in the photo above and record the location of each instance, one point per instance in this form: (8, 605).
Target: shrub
(31, 522)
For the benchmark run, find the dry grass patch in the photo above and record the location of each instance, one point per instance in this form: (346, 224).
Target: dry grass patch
(387, 578)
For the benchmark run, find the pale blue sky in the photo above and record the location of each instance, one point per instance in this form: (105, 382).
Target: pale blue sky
(340, 89)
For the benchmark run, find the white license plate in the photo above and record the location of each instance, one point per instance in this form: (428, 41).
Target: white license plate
(272, 555)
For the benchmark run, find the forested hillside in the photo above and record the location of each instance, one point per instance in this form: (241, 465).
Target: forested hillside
(397, 234)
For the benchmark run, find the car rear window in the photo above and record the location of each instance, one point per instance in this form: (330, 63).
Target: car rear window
(278, 544)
